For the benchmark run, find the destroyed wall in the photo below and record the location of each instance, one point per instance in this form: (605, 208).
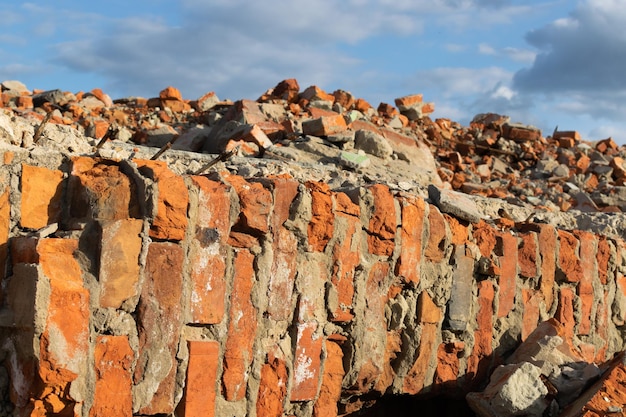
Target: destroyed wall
(140, 287)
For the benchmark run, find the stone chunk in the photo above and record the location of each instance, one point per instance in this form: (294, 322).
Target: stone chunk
(460, 303)
(455, 203)
(373, 144)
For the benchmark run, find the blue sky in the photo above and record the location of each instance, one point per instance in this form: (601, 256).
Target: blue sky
(544, 63)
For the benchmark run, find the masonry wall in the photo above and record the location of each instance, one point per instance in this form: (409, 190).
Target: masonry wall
(128, 289)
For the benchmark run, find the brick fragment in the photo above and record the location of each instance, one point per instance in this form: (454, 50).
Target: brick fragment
(382, 225)
(408, 266)
(200, 382)
(437, 236)
(481, 361)
(112, 392)
(159, 317)
(528, 255)
(588, 250)
(507, 248)
(119, 261)
(242, 325)
(448, 366)
(321, 226)
(530, 316)
(272, 388)
(170, 220)
(565, 311)
(324, 126)
(330, 390)
(569, 269)
(42, 191)
(5, 222)
(547, 238)
(207, 251)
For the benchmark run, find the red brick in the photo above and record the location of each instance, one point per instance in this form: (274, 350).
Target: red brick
(324, 126)
(24, 102)
(507, 246)
(307, 361)
(448, 365)
(330, 389)
(119, 261)
(344, 98)
(64, 344)
(99, 190)
(530, 318)
(547, 245)
(170, 93)
(242, 327)
(485, 237)
(588, 250)
(287, 90)
(255, 205)
(200, 383)
(321, 226)
(602, 326)
(408, 266)
(603, 257)
(567, 134)
(315, 93)
(565, 311)
(382, 225)
(458, 231)
(437, 235)
(112, 392)
(362, 105)
(100, 128)
(170, 220)
(569, 262)
(5, 222)
(42, 193)
(429, 317)
(409, 101)
(392, 347)
(272, 388)
(480, 362)
(285, 246)
(207, 252)
(345, 258)
(159, 316)
(528, 255)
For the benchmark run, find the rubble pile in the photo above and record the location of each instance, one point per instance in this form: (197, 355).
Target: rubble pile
(490, 198)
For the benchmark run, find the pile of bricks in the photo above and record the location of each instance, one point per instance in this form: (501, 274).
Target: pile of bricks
(265, 285)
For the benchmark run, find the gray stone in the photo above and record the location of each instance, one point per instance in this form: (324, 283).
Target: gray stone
(373, 144)
(50, 96)
(342, 137)
(514, 390)
(455, 203)
(14, 85)
(460, 303)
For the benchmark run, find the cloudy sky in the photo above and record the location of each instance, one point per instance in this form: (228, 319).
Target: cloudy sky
(545, 63)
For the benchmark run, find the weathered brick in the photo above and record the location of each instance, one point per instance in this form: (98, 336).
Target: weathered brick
(528, 255)
(200, 383)
(330, 390)
(408, 266)
(480, 361)
(64, 344)
(170, 219)
(382, 225)
(601, 322)
(242, 325)
(272, 388)
(485, 237)
(448, 366)
(345, 258)
(324, 126)
(531, 314)
(404, 103)
(159, 317)
(99, 190)
(429, 317)
(547, 243)
(588, 250)
(207, 252)
(119, 261)
(42, 192)
(569, 269)
(307, 361)
(112, 392)
(603, 257)
(5, 222)
(507, 248)
(285, 246)
(255, 205)
(460, 302)
(458, 230)
(321, 226)
(565, 311)
(315, 93)
(437, 236)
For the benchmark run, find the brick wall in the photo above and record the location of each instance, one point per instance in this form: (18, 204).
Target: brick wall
(129, 289)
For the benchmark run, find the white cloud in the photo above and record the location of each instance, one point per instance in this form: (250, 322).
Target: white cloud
(486, 49)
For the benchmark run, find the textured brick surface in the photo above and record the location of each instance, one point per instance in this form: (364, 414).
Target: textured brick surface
(200, 382)
(42, 190)
(113, 360)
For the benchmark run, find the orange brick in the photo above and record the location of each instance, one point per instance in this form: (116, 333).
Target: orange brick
(480, 362)
(507, 246)
(547, 238)
(330, 390)
(200, 383)
(530, 316)
(565, 311)
(528, 255)
(242, 327)
(316, 93)
(272, 388)
(321, 226)
(159, 321)
(382, 225)
(588, 250)
(5, 222)
(112, 392)
(408, 101)
(207, 252)
(42, 192)
(307, 362)
(255, 206)
(170, 93)
(170, 220)
(569, 268)
(324, 126)
(437, 235)
(408, 266)
(119, 261)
